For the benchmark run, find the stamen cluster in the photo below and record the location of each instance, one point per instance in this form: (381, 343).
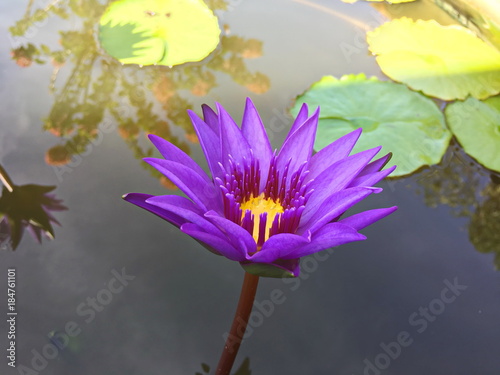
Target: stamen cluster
(285, 198)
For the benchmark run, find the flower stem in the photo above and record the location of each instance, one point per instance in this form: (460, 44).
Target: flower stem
(5, 179)
(239, 325)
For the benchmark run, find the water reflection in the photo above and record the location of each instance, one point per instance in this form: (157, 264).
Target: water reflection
(484, 226)
(99, 93)
(26, 207)
(454, 182)
(471, 191)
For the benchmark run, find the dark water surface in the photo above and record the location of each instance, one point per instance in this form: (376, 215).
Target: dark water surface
(171, 311)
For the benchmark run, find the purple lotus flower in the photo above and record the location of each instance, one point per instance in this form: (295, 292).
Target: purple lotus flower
(261, 208)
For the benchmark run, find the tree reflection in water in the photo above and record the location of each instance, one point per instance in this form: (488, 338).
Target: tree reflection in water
(484, 226)
(99, 92)
(471, 191)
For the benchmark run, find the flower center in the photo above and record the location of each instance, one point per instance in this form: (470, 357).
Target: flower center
(264, 211)
(257, 206)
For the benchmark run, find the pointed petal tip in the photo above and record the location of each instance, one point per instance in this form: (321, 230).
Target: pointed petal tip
(304, 107)
(193, 116)
(154, 161)
(156, 140)
(132, 197)
(219, 107)
(391, 169)
(363, 219)
(385, 159)
(149, 160)
(129, 197)
(355, 134)
(374, 151)
(203, 106)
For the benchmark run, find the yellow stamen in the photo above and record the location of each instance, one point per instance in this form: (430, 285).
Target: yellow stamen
(259, 205)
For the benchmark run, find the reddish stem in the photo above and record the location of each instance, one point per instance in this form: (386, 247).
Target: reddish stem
(239, 325)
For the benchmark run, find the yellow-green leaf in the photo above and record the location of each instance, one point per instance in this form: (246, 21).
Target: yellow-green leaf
(447, 62)
(165, 32)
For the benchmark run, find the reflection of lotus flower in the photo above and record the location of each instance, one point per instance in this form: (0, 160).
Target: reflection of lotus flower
(28, 206)
(261, 209)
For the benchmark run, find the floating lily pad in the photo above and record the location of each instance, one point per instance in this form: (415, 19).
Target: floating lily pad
(404, 122)
(165, 32)
(448, 62)
(476, 124)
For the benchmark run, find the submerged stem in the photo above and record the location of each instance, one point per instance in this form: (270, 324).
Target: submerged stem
(239, 325)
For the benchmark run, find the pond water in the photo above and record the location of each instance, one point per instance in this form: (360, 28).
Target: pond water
(423, 288)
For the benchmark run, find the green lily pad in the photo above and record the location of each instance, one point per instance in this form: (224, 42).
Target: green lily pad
(165, 32)
(476, 124)
(404, 122)
(448, 62)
